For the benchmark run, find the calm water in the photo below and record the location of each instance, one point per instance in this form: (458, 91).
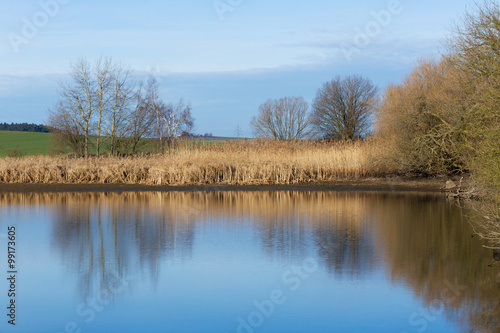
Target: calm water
(245, 262)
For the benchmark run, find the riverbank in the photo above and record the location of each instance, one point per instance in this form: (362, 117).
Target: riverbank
(435, 184)
(245, 166)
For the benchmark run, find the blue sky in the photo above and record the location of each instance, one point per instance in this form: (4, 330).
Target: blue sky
(226, 56)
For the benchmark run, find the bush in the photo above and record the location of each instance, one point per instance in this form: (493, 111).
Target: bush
(421, 121)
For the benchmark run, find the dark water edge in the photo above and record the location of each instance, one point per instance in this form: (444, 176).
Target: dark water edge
(435, 184)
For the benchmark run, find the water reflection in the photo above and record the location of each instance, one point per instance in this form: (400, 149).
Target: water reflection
(420, 240)
(431, 247)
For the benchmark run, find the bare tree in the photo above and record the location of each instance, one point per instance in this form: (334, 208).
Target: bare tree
(170, 119)
(155, 106)
(94, 98)
(68, 132)
(76, 105)
(141, 120)
(475, 42)
(102, 101)
(177, 118)
(119, 115)
(283, 119)
(475, 46)
(343, 108)
(104, 79)
(421, 123)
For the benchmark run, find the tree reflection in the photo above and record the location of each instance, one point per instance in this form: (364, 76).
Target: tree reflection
(429, 245)
(419, 239)
(105, 237)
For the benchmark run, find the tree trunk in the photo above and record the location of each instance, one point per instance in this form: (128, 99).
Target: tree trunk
(86, 144)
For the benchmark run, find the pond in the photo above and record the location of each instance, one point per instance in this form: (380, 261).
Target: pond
(256, 261)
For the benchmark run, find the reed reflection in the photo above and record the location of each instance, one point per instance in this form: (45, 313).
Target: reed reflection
(420, 240)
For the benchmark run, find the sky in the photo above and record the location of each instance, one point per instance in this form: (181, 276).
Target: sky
(225, 57)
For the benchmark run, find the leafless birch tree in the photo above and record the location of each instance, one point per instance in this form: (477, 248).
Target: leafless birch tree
(76, 106)
(102, 101)
(119, 111)
(170, 119)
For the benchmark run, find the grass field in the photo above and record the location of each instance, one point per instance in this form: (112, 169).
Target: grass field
(23, 143)
(17, 144)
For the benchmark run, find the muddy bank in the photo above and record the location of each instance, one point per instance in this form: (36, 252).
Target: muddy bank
(437, 184)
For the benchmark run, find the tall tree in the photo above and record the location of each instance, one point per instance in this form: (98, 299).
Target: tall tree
(76, 105)
(96, 99)
(101, 100)
(343, 108)
(104, 78)
(155, 106)
(122, 96)
(141, 120)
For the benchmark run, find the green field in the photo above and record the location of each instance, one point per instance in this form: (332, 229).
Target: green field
(23, 143)
(29, 143)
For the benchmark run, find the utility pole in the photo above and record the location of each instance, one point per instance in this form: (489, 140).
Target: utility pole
(237, 131)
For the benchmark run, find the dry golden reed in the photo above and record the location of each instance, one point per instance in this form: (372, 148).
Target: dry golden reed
(230, 162)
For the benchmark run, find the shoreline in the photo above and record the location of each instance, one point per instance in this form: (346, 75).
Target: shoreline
(396, 184)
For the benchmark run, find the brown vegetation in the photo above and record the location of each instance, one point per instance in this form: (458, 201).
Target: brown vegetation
(422, 121)
(444, 116)
(231, 162)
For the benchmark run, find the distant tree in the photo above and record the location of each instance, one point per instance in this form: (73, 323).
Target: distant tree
(24, 127)
(283, 119)
(343, 108)
(177, 118)
(170, 119)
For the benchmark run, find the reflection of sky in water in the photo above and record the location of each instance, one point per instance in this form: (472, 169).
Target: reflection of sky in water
(200, 271)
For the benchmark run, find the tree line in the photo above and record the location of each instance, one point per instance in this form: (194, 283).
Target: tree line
(24, 127)
(342, 110)
(102, 103)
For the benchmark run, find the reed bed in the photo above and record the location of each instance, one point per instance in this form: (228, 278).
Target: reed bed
(231, 163)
